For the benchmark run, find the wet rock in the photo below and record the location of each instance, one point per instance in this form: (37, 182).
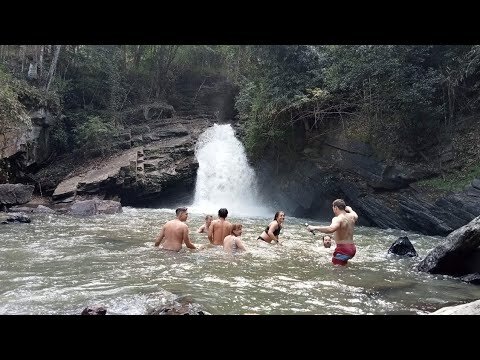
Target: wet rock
(14, 218)
(472, 308)
(94, 207)
(15, 194)
(95, 310)
(458, 255)
(472, 278)
(180, 306)
(41, 209)
(24, 209)
(403, 247)
(84, 208)
(108, 207)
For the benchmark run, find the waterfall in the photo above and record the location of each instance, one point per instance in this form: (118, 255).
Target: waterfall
(224, 177)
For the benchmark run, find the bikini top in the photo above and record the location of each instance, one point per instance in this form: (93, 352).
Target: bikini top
(276, 232)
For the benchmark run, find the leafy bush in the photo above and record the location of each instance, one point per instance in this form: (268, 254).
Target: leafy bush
(13, 114)
(61, 141)
(95, 136)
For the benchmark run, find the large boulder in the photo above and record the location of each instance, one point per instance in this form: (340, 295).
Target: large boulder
(32, 142)
(471, 278)
(83, 208)
(383, 196)
(15, 194)
(458, 254)
(94, 207)
(148, 112)
(472, 308)
(144, 174)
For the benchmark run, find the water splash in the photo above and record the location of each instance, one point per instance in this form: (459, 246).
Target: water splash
(224, 177)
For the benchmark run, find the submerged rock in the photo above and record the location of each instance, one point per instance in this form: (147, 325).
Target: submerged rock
(403, 247)
(14, 218)
(472, 278)
(179, 306)
(94, 310)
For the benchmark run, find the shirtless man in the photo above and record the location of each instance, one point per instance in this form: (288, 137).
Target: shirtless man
(174, 233)
(219, 228)
(342, 225)
(204, 227)
(233, 243)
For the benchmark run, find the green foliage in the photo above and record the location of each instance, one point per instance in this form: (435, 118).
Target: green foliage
(393, 96)
(95, 136)
(275, 84)
(203, 60)
(91, 77)
(13, 114)
(29, 96)
(60, 140)
(401, 95)
(454, 181)
(33, 97)
(384, 78)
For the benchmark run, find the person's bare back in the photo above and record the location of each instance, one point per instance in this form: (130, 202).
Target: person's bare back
(344, 233)
(174, 233)
(218, 230)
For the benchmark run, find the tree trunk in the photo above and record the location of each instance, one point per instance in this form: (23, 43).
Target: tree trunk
(138, 55)
(40, 61)
(22, 52)
(53, 66)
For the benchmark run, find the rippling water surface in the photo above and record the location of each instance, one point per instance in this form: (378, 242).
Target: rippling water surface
(60, 264)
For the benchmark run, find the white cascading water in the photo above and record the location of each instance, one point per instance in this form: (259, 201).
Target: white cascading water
(224, 177)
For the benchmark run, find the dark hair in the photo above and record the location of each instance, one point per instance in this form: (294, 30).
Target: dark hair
(340, 203)
(208, 216)
(323, 239)
(223, 213)
(180, 210)
(276, 214)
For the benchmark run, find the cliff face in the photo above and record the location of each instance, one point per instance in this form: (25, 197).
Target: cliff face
(156, 164)
(385, 195)
(28, 146)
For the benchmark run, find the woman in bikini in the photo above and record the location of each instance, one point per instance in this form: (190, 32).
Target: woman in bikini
(273, 229)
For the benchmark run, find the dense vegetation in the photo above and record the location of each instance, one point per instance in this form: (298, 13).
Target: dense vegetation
(402, 99)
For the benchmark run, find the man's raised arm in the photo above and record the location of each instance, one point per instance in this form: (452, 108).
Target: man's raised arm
(326, 229)
(349, 210)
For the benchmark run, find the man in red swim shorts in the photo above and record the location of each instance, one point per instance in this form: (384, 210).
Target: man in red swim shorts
(342, 225)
